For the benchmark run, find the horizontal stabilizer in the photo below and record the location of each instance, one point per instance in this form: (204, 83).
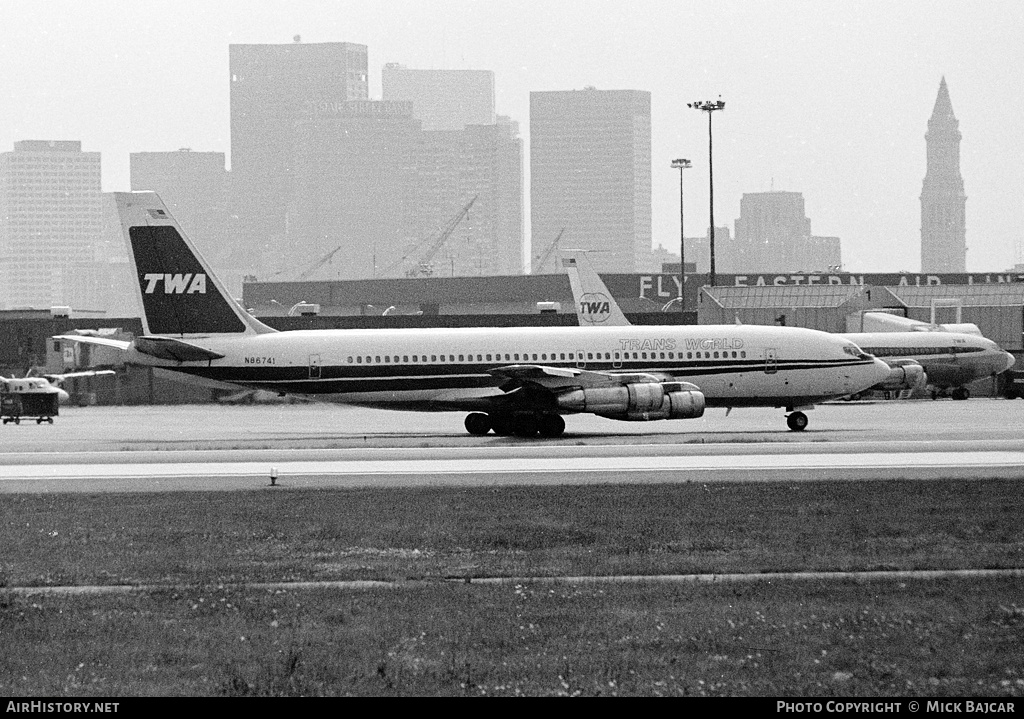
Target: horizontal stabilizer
(94, 340)
(169, 348)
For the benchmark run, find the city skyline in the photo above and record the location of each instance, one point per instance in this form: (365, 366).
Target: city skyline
(823, 99)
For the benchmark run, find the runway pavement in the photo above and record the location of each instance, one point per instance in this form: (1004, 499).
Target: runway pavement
(211, 447)
(289, 426)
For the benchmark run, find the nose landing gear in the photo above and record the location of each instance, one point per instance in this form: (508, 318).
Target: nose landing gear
(797, 421)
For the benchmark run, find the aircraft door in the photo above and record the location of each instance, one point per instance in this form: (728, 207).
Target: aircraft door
(314, 366)
(616, 360)
(771, 360)
(581, 359)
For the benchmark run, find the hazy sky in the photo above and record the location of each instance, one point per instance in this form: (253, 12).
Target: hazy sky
(827, 98)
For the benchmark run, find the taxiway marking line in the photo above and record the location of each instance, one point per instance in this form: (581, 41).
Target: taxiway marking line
(833, 463)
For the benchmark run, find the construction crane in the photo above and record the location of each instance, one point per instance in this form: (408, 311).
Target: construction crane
(551, 251)
(320, 263)
(422, 266)
(314, 267)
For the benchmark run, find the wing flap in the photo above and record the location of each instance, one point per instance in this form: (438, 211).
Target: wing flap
(535, 372)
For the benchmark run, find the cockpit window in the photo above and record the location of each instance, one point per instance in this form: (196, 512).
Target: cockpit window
(854, 350)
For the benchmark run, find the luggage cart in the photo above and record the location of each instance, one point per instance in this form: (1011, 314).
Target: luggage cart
(15, 406)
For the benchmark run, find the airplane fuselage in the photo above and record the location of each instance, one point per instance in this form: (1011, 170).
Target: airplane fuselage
(433, 369)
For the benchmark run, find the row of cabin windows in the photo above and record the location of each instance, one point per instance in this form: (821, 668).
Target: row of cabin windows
(543, 357)
(903, 351)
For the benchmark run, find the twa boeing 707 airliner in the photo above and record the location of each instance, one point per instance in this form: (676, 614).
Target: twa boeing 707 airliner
(518, 381)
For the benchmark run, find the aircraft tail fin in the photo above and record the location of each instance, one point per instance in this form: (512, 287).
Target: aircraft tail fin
(180, 294)
(595, 305)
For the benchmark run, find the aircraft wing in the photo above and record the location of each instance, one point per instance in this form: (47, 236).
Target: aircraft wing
(556, 378)
(626, 395)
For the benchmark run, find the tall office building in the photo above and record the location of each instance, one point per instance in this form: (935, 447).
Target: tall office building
(466, 152)
(355, 175)
(50, 224)
(272, 88)
(773, 234)
(590, 166)
(453, 167)
(442, 99)
(192, 186)
(943, 202)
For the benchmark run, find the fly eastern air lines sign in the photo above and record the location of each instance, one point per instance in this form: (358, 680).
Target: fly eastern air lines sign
(663, 287)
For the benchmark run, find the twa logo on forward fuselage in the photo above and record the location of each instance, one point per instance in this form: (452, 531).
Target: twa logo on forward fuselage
(179, 284)
(595, 307)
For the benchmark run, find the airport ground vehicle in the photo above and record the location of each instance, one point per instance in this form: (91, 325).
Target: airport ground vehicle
(1013, 384)
(15, 407)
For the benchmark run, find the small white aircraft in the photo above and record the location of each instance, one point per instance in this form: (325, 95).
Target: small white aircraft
(37, 396)
(946, 361)
(511, 380)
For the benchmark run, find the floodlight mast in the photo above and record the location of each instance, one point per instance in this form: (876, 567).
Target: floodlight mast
(682, 164)
(709, 106)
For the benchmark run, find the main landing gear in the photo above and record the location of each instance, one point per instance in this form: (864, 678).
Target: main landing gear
(959, 393)
(523, 424)
(797, 421)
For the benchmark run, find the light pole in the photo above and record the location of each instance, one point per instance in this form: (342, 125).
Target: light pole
(682, 164)
(709, 107)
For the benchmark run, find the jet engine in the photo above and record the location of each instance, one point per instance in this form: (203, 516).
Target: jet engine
(903, 374)
(637, 401)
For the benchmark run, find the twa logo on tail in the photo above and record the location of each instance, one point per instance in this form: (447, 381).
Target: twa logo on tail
(595, 307)
(179, 284)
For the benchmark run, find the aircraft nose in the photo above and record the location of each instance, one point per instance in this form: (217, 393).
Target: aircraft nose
(1010, 360)
(881, 370)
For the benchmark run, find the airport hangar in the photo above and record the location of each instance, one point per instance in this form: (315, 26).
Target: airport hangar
(830, 302)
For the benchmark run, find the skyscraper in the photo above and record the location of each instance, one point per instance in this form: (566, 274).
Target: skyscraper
(442, 99)
(455, 166)
(943, 202)
(354, 184)
(773, 234)
(50, 224)
(272, 88)
(590, 165)
(465, 152)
